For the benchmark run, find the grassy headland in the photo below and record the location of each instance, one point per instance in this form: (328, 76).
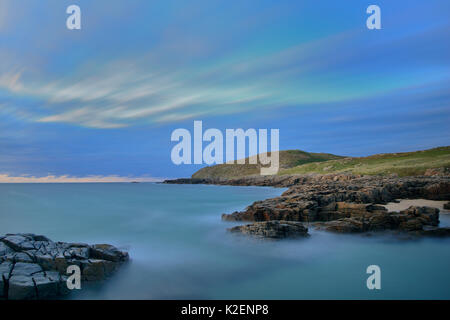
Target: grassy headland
(288, 159)
(301, 162)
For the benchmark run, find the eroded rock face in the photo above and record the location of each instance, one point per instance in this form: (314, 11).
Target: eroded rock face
(34, 267)
(273, 229)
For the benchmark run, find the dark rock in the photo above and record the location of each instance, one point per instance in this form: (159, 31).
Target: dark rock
(273, 229)
(108, 252)
(34, 267)
(447, 206)
(344, 225)
(21, 287)
(18, 242)
(94, 270)
(25, 269)
(47, 284)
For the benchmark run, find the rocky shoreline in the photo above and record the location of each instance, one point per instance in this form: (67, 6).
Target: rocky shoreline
(343, 203)
(34, 267)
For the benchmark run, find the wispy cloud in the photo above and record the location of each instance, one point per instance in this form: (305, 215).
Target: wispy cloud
(121, 93)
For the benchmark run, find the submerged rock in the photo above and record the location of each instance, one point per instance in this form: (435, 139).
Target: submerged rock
(273, 229)
(34, 267)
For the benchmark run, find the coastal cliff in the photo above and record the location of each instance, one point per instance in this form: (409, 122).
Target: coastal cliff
(347, 202)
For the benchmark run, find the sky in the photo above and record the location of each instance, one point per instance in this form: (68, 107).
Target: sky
(100, 103)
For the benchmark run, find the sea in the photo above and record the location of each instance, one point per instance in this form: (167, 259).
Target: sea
(181, 249)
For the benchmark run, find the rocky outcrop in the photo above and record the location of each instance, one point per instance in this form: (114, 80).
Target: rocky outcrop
(34, 267)
(344, 202)
(273, 229)
(258, 180)
(412, 219)
(350, 203)
(333, 197)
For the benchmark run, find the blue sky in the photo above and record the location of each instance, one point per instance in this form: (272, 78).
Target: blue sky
(104, 100)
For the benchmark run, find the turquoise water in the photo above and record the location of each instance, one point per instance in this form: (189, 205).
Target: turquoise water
(180, 248)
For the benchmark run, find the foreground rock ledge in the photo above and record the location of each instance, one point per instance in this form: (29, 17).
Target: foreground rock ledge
(34, 267)
(359, 218)
(273, 229)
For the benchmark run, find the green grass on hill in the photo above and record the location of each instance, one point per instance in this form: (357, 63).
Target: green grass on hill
(288, 159)
(403, 164)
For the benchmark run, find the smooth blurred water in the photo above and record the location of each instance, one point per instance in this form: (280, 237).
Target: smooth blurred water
(180, 248)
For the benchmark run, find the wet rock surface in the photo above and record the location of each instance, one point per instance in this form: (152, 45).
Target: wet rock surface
(273, 229)
(34, 267)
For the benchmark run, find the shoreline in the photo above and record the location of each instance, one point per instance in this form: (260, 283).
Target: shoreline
(342, 203)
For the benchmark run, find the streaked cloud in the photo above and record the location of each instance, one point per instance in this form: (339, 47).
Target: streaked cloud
(139, 69)
(117, 94)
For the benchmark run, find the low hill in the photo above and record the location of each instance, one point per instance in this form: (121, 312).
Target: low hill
(288, 159)
(301, 162)
(403, 164)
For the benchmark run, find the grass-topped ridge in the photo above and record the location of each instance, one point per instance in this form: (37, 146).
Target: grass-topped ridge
(403, 164)
(301, 162)
(288, 159)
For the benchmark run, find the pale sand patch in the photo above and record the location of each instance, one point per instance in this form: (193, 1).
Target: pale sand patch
(405, 204)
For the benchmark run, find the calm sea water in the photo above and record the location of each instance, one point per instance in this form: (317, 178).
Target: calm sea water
(180, 248)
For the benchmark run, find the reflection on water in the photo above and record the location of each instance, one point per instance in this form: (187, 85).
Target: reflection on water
(180, 248)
